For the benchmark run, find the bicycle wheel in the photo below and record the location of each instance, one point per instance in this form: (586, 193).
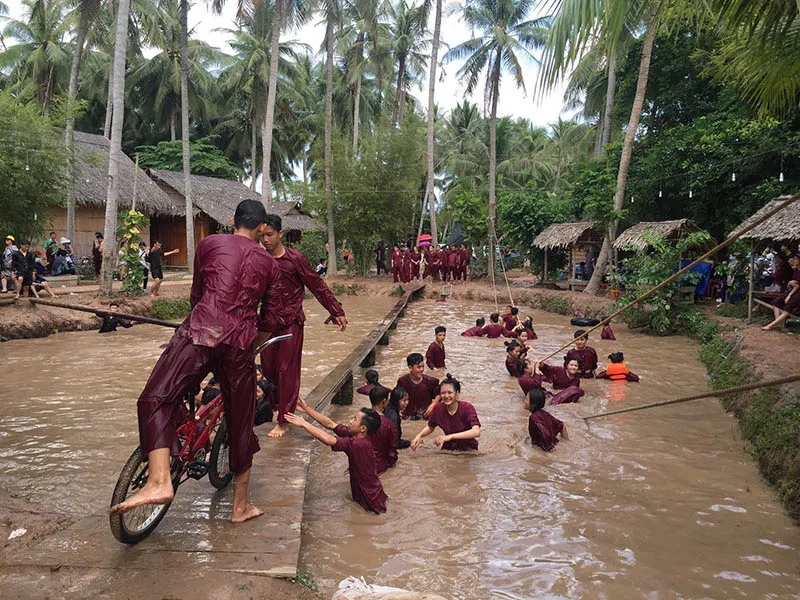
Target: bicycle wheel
(219, 467)
(136, 524)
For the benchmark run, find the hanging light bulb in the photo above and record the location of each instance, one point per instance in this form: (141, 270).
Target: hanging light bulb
(27, 167)
(733, 176)
(660, 194)
(35, 217)
(632, 197)
(690, 192)
(780, 177)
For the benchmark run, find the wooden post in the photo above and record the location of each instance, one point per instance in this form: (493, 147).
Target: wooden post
(546, 252)
(369, 360)
(384, 340)
(345, 394)
(752, 282)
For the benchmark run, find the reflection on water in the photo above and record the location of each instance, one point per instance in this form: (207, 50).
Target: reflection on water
(656, 504)
(69, 402)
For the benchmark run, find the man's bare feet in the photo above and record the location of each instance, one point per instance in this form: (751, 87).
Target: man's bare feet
(278, 431)
(249, 512)
(149, 494)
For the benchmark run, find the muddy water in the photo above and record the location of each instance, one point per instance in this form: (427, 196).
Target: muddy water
(68, 418)
(656, 504)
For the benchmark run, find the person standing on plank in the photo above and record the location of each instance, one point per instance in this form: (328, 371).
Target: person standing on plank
(232, 274)
(282, 365)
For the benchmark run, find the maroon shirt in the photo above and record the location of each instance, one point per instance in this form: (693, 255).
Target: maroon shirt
(509, 321)
(531, 382)
(544, 429)
(232, 274)
(558, 376)
(434, 357)
(473, 332)
(464, 419)
(364, 483)
(588, 358)
(364, 390)
(515, 366)
(495, 330)
(420, 395)
(397, 259)
(296, 275)
(384, 442)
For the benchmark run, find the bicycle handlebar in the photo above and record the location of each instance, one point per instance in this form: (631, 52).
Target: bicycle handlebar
(270, 341)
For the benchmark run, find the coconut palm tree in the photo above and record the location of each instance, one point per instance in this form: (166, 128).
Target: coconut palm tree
(508, 36)
(332, 9)
(408, 30)
(430, 200)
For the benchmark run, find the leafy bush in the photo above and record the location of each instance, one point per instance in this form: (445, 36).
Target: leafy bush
(698, 327)
(556, 304)
(737, 311)
(171, 310)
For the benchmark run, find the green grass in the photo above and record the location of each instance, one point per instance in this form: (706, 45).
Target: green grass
(170, 310)
(737, 311)
(305, 579)
(555, 304)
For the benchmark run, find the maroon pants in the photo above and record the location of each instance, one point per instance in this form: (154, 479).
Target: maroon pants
(281, 365)
(182, 366)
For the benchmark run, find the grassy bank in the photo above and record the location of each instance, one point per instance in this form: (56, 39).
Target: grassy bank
(769, 418)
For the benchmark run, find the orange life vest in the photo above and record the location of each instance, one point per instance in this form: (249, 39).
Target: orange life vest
(617, 371)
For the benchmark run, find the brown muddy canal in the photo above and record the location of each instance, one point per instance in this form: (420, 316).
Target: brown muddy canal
(657, 504)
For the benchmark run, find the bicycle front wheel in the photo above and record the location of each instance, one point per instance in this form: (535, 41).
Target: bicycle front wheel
(136, 524)
(219, 467)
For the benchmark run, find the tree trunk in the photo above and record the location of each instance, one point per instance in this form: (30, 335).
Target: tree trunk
(173, 126)
(598, 138)
(185, 135)
(627, 147)
(357, 94)
(494, 91)
(398, 100)
(429, 184)
(87, 12)
(611, 91)
(109, 97)
(329, 40)
(272, 90)
(253, 155)
(115, 150)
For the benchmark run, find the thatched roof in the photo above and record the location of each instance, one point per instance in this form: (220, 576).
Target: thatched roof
(91, 153)
(562, 234)
(632, 238)
(784, 225)
(218, 198)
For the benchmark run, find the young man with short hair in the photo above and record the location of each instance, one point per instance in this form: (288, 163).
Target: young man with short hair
(423, 390)
(22, 264)
(435, 356)
(281, 362)
(156, 270)
(476, 331)
(585, 354)
(232, 274)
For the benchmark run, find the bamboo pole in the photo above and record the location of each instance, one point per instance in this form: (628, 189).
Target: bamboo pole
(674, 276)
(505, 276)
(135, 181)
(102, 313)
(716, 393)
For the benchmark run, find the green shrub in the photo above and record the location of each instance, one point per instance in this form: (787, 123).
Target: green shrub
(86, 272)
(737, 311)
(170, 310)
(698, 327)
(556, 304)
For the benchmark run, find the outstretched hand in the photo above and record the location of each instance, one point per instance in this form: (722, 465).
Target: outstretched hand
(296, 419)
(441, 440)
(416, 443)
(301, 405)
(340, 322)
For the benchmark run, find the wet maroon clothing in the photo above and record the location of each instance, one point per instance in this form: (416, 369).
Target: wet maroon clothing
(529, 382)
(364, 390)
(509, 321)
(434, 357)
(464, 419)
(364, 483)
(789, 301)
(384, 441)
(281, 362)
(515, 366)
(232, 275)
(436, 261)
(473, 332)
(588, 358)
(544, 429)
(397, 263)
(495, 330)
(416, 259)
(568, 395)
(607, 333)
(558, 376)
(405, 269)
(420, 395)
(426, 270)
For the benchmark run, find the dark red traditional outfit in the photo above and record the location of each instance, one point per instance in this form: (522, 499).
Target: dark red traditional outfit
(434, 357)
(426, 270)
(464, 419)
(364, 483)
(232, 274)
(473, 332)
(420, 395)
(570, 386)
(790, 300)
(495, 330)
(515, 366)
(587, 358)
(416, 259)
(444, 264)
(509, 321)
(405, 269)
(544, 429)
(281, 362)
(364, 390)
(607, 333)
(397, 265)
(454, 259)
(436, 261)
(384, 442)
(529, 382)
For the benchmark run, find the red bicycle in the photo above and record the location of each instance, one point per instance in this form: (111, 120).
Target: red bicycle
(202, 432)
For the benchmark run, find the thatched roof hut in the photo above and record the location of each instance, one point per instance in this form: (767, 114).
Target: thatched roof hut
(561, 235)
(218, 198)
(633, 237)
(784, 225)
(91, 153)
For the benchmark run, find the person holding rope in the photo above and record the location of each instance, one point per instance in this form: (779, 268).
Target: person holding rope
(232, 274)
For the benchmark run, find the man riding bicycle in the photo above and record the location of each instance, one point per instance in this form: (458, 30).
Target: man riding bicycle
(232, 274)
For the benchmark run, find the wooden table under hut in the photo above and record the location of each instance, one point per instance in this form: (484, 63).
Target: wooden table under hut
(580, 241)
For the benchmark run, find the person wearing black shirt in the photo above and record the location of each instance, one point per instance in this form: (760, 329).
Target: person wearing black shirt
(22, 263)
(155, 257)
(111, 322)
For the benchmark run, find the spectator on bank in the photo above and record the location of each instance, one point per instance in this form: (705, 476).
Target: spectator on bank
(97, 253)
(22, 262)
(7, 272)
(155, 257)
(64, 263)
(143, 262)
(50, 247)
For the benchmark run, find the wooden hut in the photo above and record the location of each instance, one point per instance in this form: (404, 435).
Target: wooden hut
(91, 180)
(215, 202)
(575, 238)
(633, 237)
(782, 226)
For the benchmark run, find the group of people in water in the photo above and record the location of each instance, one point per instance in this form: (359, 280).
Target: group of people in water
(450, 263)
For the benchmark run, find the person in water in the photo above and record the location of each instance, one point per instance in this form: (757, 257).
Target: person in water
(494, 329)
(232, 275)
(515, 358)
(435, 356)
(510, 317)
(527, 326)
(565, 378)
(371, 378)
(585, 354)
(616, 369)
(456, 418)
(398, 402)
(476, 331)
(543, 427)
(111, 322)
(423, 390)
(365, 485)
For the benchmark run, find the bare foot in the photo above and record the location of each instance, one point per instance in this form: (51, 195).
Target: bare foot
(249, 512)
(278, 431)
(149, 494)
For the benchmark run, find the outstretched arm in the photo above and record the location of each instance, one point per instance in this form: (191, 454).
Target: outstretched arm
(415, 443)
(320, 290)
(323, 420)
(322, 436)
(470, 434)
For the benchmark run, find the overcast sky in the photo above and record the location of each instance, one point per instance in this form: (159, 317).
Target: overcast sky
(449, 90)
